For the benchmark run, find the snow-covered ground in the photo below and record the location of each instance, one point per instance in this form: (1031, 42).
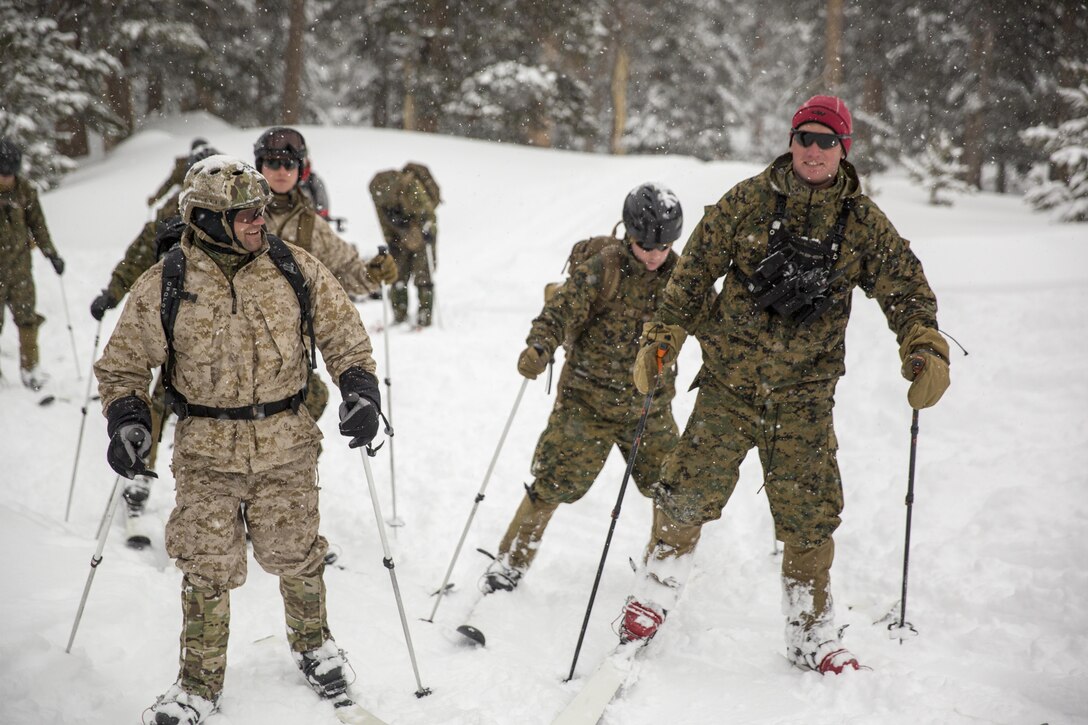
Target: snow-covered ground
(998, 585)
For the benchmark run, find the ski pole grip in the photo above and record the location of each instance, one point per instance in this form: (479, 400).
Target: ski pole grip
(661, 350)
(917, 364)
(382, 250)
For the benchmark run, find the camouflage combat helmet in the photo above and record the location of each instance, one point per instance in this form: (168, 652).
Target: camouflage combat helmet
(221, 183)
(11, 157)
(652, 216)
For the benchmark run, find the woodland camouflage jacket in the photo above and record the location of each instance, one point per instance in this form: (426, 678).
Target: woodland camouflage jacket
(756, 352)
(22, 223)
(605, 331)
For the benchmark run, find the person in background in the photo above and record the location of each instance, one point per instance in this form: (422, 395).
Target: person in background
(22, 227)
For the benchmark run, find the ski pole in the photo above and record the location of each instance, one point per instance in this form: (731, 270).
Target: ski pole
(83, 421)
(115, 499)
(71, 334)
(430, 269)
(639, 429)
(902, 629)
(479, 497)
(387, 561)
(396, 520)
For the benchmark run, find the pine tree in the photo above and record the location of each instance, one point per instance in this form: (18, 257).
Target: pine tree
(939, 169)
(1062, 184)
(46, 80)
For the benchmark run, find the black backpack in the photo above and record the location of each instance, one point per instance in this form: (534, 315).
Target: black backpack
(173, 292)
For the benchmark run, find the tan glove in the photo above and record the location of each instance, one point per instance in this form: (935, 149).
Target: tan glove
(655, 335)
(533, 361)
(924, 353)
(382, 269)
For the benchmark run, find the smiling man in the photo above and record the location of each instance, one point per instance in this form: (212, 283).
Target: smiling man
(790, 245)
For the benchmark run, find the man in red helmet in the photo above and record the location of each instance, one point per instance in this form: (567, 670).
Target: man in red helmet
(790, 245)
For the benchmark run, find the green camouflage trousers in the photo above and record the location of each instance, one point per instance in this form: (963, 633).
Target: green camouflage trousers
(580, 434)
(570, 454)
(797, 447)
(18, 294)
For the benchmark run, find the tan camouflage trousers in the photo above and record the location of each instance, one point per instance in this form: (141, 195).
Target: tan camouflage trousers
(17, 293)
(797, 447)
(572, 450)
(206, 537)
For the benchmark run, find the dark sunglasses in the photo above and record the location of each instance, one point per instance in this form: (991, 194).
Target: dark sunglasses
(281, 164)
(823, 140)
(248, 216)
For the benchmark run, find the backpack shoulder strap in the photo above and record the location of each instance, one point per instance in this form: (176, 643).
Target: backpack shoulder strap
(305, 228)
(173, 291)
(284, 260)
(612, 257)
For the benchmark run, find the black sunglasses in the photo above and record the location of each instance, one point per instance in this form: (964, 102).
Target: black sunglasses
(281, 163)
(823, 140)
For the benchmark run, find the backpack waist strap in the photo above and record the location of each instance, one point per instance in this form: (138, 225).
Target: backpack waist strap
(245, 412)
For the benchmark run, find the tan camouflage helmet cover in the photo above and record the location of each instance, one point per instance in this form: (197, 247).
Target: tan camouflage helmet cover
(222, 182)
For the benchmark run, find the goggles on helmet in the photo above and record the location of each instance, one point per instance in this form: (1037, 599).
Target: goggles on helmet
(284, 139)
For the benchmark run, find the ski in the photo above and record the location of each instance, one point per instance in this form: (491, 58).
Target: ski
(352, 713)
(601, 687)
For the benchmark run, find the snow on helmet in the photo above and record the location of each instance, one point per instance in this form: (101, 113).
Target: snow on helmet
(11, 157)
(652, 216)
(220, 183)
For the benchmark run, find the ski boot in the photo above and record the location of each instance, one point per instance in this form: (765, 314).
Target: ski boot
(499, 577)
(178, 707)
(324, 669)
(828, 657)
(34, 378)
(640, 621)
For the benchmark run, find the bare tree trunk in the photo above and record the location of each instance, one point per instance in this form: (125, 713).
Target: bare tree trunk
(978, 102)
(74, 143)
(119, 98)
(621, 71)
(409, 110)
(833, 46)
(154, 94)
(292, 77)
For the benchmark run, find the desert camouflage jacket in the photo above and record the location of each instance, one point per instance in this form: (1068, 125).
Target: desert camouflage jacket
(236, 343)
(291, 218)
(606, 332)
(758, 353)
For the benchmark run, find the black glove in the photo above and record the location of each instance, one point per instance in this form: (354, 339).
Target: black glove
(58, 264)
(129, 427)
(102, 303)
(361, 407)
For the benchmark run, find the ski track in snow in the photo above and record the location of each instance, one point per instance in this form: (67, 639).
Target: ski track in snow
(998, 590)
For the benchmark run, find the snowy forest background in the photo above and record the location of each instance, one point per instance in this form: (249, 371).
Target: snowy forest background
(985, 95)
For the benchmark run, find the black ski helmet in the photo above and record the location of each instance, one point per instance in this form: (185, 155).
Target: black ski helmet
(199, 153)
(11, 157)
(652, 216)
(280, 142)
